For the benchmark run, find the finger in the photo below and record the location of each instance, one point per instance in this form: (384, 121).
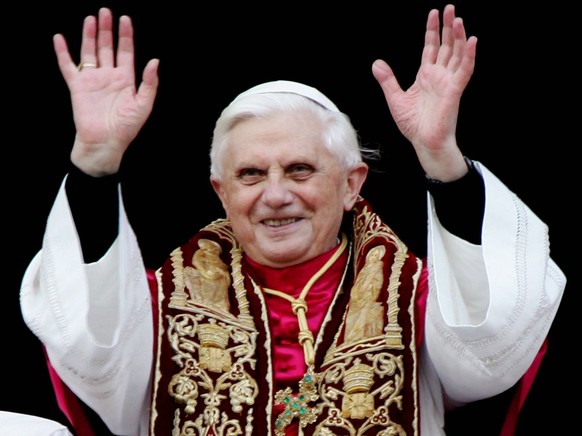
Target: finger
(459, 44)
(125, 49)
(431, 38)
(88, 41)
(467, 66)
(105, 49)
(64, 59)
(448, 37)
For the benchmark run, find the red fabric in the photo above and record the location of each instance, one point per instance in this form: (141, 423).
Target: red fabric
(288, 356)
(153, 284)
(420, 304)
(289, 362)
(523, 388)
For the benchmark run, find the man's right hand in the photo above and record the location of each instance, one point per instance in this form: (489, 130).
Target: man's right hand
(108, 111)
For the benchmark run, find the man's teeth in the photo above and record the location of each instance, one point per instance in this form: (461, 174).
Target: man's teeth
(280, 222)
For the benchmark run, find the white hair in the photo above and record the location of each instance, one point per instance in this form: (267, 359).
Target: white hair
(339, 135)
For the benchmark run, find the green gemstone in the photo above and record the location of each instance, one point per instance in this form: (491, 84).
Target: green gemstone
(308, 379)
(287, 400)
(303, 411)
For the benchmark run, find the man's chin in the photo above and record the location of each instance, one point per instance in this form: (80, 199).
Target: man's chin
(280, 255)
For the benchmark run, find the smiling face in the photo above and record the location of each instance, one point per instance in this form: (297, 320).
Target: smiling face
(283, 191)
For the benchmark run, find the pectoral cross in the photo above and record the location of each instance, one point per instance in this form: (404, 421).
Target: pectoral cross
(296, 405)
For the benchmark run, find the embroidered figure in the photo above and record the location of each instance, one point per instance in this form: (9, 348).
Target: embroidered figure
(209, 279)
(365, 314)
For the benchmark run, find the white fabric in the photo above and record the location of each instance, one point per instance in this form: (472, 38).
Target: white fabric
(489, 310)
(490, 307)
(19, 424)
(94, 319)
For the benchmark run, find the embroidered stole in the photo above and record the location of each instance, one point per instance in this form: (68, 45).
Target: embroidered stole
(213, 367)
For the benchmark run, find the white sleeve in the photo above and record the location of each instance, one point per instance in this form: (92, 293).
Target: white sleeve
(490, 306)
(95, 320)
(19, 424)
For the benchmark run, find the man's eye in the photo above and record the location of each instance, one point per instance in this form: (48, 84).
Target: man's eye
(300, 170)
(250, 175)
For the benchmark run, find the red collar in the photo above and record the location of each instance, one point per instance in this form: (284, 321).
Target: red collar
(291, 280)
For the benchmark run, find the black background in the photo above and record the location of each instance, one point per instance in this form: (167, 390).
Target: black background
(517, 117)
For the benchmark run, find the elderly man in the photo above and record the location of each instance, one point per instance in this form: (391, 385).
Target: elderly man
(300, 310)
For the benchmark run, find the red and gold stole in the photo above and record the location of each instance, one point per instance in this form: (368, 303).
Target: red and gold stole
(216, 355)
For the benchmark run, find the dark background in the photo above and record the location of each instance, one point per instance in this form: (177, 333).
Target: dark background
(517, 117)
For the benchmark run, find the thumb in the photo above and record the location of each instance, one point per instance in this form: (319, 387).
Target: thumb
(385, 78)
(147, 90)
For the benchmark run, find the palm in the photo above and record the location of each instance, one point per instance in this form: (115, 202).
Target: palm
(105, 106)
(427, 112)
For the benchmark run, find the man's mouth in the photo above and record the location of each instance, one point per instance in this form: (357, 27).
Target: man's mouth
(281, 222)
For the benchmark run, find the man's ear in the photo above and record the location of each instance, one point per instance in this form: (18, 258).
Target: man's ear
(356, 178)
(218, 188)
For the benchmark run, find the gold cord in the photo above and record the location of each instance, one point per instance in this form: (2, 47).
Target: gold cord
(299, 305)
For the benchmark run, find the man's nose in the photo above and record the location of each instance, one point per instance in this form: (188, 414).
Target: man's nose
(277, 190)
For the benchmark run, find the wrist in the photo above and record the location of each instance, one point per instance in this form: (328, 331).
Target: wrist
(470, 168)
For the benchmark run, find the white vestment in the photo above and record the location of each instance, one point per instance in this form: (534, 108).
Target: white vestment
(489, 309)
(19, 424)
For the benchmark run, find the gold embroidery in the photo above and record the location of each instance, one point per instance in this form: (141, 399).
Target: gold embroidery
(221, 227)
(179, 296)
(183, 389)
(204, 386)
(213, 340)
(214, 349)
(195, 382)
(367, 226)
(352, 398)
(221, 426)
(393, 329)
(358, 403)
(365, 318)
(208, 280)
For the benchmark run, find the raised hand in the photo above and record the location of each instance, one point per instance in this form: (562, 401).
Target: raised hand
(108, 110)
(427, 112)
